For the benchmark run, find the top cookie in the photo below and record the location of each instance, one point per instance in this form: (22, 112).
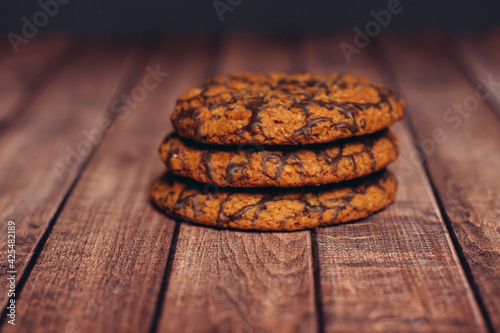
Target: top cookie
(284, 109)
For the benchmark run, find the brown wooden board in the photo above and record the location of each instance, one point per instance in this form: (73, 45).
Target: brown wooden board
(231, 281)
(94, 255)
(74, 101)
(478, 56)
(396, 271)
(23, 73)
(102, 266)
(464, 165)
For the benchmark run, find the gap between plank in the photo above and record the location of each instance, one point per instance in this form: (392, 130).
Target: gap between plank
(213, 58)
(166, 278)
(129, 82)
(377, 53)
(317, 281)
(41, 243)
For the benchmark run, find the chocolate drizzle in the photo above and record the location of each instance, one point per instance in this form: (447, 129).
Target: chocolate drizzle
(183, 200)
(255, 105)
(206, 159)
(231, 169)
(280, 160)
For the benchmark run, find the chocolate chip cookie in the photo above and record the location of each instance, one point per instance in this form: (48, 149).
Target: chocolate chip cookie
(284, 109)
(273, 209)
(260, 166)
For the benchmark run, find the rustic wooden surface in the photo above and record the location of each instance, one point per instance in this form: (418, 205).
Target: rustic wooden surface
(357, 260)
(469, 190)
(94, 255)
(32, 193)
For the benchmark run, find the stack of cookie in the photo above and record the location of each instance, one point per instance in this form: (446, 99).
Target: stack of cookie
(275, 151)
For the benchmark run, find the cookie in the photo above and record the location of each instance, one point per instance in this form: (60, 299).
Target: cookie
(276, 208)
(284, 109)
(259, 166)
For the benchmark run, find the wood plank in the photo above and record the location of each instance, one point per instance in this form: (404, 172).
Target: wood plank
(464, 165)
(74, 101)
(479, 56)
(396, 271)
(28, 71)
(104, 260)
(232, 281)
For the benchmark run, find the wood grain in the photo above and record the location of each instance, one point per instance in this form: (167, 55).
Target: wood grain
(28, 71)
(68, 105)
(464, 166)
(229, 281)
(479, 56)
(105, 263)
(396, 271)
(105, 258)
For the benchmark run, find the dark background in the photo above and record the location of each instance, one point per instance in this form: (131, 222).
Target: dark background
(195, 16)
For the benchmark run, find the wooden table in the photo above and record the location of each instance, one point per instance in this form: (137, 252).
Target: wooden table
(93, 255)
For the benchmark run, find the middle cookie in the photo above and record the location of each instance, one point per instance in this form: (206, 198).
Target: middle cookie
(261, 166)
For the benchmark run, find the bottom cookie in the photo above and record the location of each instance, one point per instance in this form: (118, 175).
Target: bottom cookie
(275, 209)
